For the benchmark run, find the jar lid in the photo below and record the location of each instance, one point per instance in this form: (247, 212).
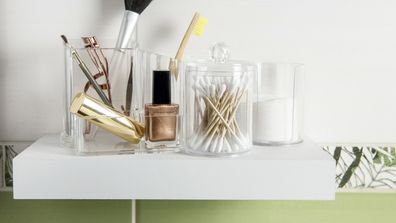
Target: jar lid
(219, 62)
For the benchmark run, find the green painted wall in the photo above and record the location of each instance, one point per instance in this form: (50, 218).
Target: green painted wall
(348, 207)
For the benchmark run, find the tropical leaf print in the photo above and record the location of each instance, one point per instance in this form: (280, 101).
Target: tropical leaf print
(352, 167)
(7, 154)
(1, 167)
(364, 167)
(337, 154)
(386, 156)
(10, 154)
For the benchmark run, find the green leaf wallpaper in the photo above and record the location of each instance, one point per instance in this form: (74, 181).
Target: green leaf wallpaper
(364, 167)
(1, 167)
(7, 153)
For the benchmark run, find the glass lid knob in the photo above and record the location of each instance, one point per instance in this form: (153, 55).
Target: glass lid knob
(219, 52)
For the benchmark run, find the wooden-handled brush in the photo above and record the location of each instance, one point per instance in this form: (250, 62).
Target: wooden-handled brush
(196, 27)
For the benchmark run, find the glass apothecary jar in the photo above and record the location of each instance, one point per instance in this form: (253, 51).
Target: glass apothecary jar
(278, 104)
(218, 105)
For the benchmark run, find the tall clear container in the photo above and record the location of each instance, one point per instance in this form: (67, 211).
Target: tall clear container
(218, 105)
(114, 59)
(80, 134)
(278, 104)
(132, 92)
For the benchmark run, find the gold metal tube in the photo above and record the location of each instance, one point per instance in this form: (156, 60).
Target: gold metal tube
(107, 118)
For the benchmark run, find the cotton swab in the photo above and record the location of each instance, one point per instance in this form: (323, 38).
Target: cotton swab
(218, 130)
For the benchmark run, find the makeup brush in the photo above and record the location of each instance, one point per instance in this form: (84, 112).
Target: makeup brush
(133, 8)
(129, 92)
(118, 75)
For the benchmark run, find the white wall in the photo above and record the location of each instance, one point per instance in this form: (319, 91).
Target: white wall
(348, 47)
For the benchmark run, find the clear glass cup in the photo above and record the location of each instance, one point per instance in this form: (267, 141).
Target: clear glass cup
(278, 104)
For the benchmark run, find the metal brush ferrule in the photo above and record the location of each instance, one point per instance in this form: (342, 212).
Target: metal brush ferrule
(127, 26)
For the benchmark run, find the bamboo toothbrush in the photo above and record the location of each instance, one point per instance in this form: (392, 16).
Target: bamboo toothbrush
(196, 27)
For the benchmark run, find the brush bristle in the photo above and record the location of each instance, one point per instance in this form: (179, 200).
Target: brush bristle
(137, 6)
(200, 25)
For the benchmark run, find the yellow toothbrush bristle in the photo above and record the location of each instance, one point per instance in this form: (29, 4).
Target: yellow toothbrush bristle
(199, 27)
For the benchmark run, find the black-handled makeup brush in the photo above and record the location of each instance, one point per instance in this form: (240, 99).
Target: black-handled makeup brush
(118, 78)
(133, 8)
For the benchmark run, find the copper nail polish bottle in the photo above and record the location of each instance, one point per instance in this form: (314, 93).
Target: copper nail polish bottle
(161, 116)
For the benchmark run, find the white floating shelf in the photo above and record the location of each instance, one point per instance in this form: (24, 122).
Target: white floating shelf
(46, 170)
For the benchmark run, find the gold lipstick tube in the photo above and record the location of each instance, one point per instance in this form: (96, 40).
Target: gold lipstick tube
(107, 118)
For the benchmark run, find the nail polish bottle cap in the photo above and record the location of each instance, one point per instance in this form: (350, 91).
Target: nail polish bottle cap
(161, 87)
